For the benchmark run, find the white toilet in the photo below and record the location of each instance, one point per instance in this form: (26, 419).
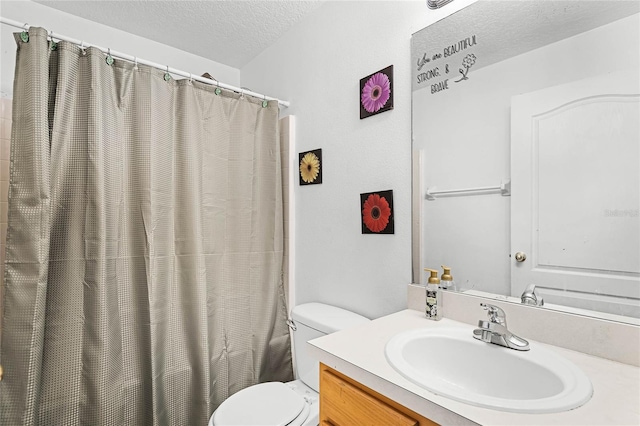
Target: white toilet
(294, 403)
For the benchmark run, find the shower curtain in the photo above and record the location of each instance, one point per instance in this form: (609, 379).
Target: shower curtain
(143, 278)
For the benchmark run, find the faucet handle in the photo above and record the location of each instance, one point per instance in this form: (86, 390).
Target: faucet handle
(495, 314)
(530, 297)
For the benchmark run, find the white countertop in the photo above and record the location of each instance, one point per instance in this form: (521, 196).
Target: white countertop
(358, 352)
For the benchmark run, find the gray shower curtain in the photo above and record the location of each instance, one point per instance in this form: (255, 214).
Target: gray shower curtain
(143, 278)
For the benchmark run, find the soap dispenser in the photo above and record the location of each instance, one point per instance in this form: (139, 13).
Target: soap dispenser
(434, 296)
(447, 279)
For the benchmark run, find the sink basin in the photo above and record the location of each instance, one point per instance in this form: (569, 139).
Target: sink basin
(451, 363)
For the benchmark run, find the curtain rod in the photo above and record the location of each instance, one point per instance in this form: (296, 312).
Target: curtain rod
(130, 58)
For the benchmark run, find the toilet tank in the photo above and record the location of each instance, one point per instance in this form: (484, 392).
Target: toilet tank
(314, 320)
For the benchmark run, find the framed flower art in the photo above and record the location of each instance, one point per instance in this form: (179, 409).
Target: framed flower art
(377, 212)
(376, 93)
(310, 165)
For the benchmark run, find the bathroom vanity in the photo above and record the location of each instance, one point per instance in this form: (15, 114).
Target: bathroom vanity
(357, 380)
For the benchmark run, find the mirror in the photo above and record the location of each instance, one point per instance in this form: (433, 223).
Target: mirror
(526, 141)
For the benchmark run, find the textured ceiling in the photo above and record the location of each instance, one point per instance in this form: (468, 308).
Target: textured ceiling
(231, 32)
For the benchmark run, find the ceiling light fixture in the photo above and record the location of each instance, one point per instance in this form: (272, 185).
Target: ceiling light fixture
(437, 4)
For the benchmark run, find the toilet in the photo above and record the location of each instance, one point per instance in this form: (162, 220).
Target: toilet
(294, 403)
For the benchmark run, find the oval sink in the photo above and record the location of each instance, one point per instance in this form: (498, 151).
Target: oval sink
(451, 363)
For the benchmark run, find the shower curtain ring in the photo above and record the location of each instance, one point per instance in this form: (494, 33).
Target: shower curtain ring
(24, 35)
(167, 76)
(135, 62)
(190, 78)
(109, 58)
(218, 89)
(52, 44)
(82, 47)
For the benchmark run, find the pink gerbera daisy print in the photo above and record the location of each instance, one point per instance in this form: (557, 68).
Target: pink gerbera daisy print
(376, 92)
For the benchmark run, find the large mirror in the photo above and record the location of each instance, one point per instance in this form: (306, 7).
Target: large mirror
(526, 134)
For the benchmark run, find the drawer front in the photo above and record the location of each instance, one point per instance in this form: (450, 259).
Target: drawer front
(343, 404)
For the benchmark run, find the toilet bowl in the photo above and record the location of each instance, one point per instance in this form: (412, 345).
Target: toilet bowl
(293, 403)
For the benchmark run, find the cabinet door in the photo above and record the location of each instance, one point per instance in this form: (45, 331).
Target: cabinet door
(344, 404)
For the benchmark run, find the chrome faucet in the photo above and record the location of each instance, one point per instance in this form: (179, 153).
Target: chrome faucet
(495, 330)
(529, 296)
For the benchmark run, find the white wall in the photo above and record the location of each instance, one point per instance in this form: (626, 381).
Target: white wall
(101, 35)
(317, 66)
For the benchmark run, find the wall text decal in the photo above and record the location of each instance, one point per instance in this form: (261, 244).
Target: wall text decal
(431, 70)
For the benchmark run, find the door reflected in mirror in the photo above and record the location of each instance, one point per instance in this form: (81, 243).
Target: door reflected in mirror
(526, 134)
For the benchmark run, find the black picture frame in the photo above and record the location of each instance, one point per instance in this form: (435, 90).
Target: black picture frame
(376, 92)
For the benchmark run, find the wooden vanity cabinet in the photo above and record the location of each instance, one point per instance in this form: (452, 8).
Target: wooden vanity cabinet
(345, 402)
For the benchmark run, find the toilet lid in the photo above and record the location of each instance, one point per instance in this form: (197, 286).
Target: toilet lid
(271, 403)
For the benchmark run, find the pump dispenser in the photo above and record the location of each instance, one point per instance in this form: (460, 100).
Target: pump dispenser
(434, 296)
(447, 279)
